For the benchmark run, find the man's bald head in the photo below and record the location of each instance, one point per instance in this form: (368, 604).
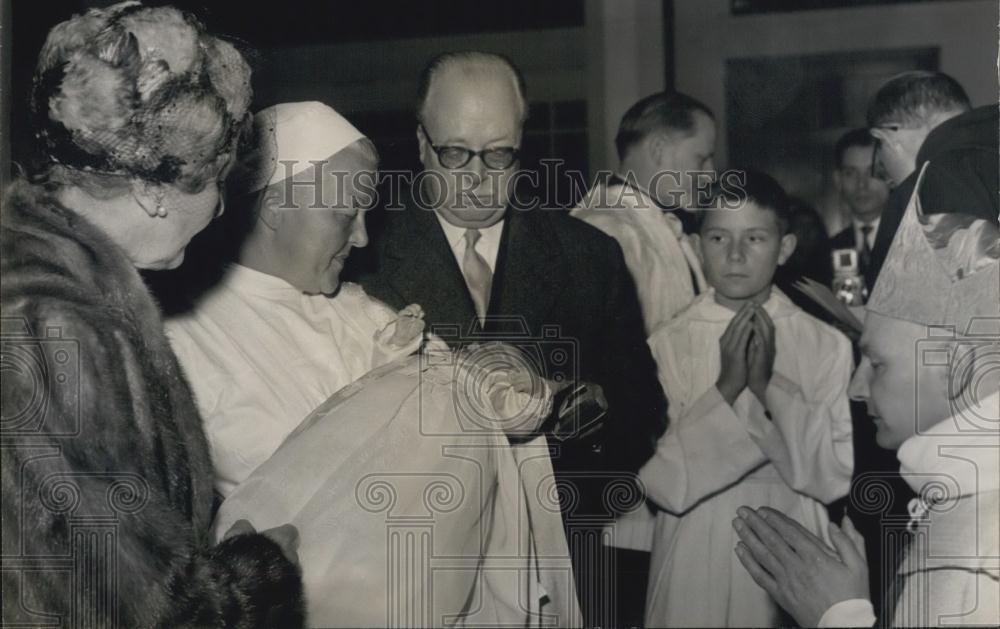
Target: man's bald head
(474, 67)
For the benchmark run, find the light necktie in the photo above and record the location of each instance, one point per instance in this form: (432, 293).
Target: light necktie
(478, 276)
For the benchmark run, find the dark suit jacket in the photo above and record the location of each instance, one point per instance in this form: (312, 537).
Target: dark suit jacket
(844, 239)
(566, 284)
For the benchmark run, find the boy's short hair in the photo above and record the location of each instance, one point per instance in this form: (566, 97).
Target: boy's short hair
(735, 188)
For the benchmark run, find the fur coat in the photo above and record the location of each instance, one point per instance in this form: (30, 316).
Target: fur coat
(107, 480)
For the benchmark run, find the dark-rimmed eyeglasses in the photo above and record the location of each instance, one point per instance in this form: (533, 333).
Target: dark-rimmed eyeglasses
(452, 157)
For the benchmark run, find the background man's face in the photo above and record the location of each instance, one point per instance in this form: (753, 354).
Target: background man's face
(686, 155)
(864, 194)
(475, 113)
(887, 381)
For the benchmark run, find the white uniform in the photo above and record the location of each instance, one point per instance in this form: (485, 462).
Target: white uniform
(715, 457)
(260, 356)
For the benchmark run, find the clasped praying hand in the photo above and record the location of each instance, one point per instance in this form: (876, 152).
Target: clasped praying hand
(798, 569)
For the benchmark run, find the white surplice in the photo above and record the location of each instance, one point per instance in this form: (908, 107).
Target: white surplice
(658, 254)
(715, 457)
(666, 272)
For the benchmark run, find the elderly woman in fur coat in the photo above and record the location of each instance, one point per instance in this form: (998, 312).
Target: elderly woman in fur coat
(107, 481)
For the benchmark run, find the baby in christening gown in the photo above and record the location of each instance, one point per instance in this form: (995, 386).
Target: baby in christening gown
(378, 421)
(411, 505)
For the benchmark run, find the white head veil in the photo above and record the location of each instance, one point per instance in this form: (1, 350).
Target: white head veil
(289, 138)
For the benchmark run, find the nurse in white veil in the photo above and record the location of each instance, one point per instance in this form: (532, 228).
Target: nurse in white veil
(412, 506)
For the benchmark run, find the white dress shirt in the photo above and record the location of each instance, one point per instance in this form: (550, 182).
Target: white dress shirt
(488, 246)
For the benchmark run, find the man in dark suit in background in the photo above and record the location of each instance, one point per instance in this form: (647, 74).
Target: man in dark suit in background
(480, 268)
(864, 194)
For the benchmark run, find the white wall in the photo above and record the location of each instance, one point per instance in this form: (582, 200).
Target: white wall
(706, 34)
(626, 61)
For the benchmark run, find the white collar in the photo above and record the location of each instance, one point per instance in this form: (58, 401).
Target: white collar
(489, 240)
(859, 224)
(964, 449)
(245, 280)
(705, 308)
(646, 205)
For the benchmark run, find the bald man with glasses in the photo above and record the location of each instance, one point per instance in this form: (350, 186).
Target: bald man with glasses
(536, 279)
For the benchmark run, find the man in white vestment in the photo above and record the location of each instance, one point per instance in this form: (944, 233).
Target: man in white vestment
(929, 380)
(279, 340)
(664, 141)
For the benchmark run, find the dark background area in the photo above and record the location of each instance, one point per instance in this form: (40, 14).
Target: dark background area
(261, 30)
(780, 106)
(747, 7)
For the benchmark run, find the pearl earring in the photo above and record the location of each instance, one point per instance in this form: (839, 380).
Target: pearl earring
(158, 195)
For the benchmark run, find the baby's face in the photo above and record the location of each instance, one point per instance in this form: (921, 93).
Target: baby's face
(740, 251)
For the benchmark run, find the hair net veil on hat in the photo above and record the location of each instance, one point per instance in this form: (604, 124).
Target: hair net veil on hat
(138, 91)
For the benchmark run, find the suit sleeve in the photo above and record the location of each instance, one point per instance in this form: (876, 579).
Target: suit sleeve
(118, 459)
(638, 409)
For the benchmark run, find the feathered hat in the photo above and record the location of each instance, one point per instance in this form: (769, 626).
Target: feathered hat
(138, 91)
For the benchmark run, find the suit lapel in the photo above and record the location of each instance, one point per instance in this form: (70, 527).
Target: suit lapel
(422, 269)
(530, 273)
